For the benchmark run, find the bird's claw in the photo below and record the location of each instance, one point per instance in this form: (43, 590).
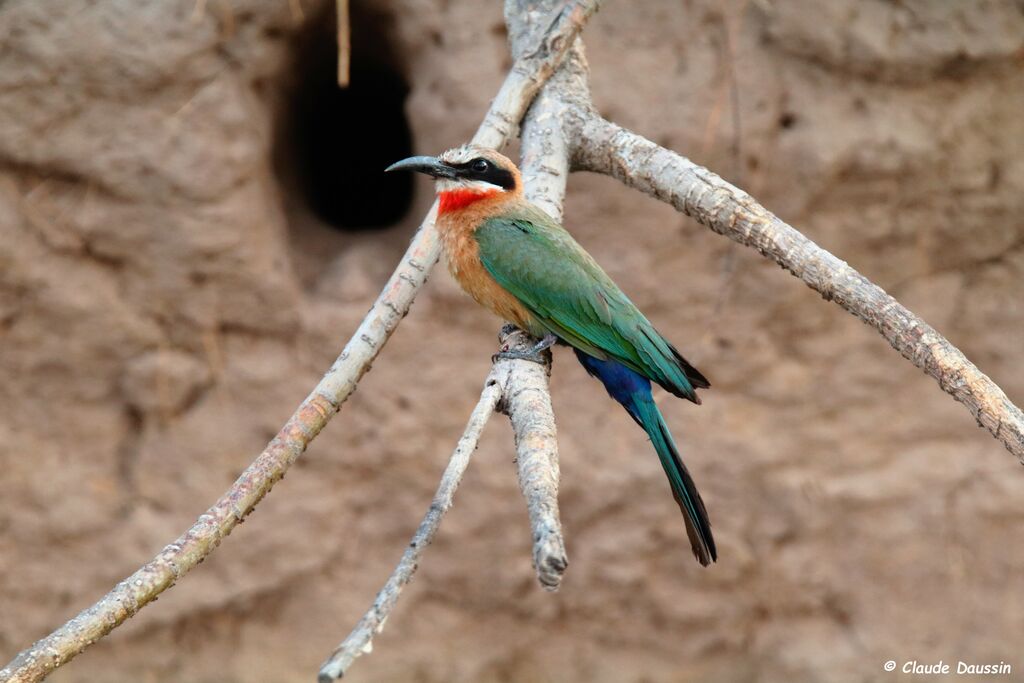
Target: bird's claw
(535, 354)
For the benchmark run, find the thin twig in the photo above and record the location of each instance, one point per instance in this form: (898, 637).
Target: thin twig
(129, 596)
(604, 147)
(344, 42)
(360, 641)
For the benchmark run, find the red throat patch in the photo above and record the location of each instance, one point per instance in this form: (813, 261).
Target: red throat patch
(453, 200)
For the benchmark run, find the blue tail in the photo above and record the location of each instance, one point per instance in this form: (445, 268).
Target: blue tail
(633, 391)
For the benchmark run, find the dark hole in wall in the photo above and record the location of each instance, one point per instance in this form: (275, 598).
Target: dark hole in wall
(340, 140)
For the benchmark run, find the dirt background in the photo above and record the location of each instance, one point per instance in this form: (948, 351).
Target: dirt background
(166, 300)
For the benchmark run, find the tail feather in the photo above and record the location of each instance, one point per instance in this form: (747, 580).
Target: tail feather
(684, 490)
(633, 391)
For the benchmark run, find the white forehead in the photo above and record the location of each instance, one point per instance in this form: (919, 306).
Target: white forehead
(461, 155)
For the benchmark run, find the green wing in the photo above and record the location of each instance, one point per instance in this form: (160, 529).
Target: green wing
(540, 264)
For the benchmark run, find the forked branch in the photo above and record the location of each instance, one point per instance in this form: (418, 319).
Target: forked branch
(520, 389)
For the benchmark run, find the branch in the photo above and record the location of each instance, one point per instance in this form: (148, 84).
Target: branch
(360, 641)
(527, 402)
(639, 163)
(528, 75)
(545, 151)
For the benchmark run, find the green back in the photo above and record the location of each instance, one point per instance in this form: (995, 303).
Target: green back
(569, 295)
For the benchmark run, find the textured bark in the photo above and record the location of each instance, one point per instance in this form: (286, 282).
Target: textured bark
(527, 402)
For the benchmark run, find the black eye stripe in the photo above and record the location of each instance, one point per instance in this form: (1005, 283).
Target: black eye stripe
(493, 175)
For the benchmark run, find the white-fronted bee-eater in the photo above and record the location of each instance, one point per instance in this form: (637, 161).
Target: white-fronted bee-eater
(515, 260)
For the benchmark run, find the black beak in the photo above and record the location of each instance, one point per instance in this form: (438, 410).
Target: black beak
(432, 166)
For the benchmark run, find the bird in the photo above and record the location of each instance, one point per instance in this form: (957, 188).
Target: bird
(517, 261)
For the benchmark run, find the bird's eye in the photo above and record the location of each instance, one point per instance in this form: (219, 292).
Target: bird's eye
(480, 166)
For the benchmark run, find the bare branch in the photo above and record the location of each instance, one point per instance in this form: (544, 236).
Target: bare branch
(527, 402)
(527, 76)
(360, 641)
(607, 148)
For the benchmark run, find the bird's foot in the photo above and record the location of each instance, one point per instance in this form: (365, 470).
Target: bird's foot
(535, 354)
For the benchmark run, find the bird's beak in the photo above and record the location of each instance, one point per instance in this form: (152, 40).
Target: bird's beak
(432, 166)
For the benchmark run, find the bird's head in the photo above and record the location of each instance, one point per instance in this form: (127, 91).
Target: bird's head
(467, 174)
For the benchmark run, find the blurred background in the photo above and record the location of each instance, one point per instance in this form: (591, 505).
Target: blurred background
(193, 220)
